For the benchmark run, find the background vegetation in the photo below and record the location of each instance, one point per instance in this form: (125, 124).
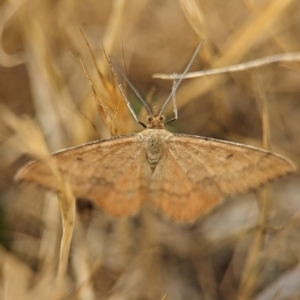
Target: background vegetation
(47, 103)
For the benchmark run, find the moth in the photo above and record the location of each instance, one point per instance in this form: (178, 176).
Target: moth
(184, 176)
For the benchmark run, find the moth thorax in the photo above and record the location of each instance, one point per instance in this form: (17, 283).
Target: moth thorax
(154, 151)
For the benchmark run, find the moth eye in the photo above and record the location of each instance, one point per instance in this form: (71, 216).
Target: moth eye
(162, 118)
(149, 119)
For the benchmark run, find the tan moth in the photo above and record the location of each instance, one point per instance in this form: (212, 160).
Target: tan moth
(184, 176)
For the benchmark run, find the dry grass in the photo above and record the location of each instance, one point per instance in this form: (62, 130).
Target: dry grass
(237, 252)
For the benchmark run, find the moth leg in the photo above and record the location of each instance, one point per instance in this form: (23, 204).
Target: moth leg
(175, 111)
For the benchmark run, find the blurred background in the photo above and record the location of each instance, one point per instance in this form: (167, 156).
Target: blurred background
(47, 104)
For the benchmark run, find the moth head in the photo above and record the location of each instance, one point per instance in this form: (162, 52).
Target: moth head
(155, 121)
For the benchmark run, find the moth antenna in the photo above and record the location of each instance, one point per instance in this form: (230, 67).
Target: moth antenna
(145, 104)
(174, 89)
(121, 88)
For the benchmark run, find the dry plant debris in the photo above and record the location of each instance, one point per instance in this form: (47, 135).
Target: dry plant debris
(148, 257)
